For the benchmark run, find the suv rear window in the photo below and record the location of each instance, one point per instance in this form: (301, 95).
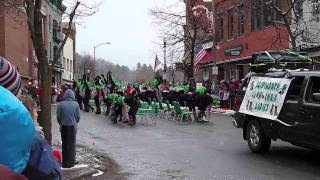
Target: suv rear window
(295, 88)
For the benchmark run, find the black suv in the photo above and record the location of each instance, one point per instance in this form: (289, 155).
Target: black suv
(299, 118)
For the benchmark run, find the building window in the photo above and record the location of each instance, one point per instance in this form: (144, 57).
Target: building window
(50, 24)
(268, 16)
(221, 28)
(263, 15)
(71, 66)
(256, 15)
(230, 24)
(277, 15)
(50, 50)
(241, 20)
(64, 63)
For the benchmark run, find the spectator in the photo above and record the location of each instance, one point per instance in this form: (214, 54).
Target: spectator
(9, 77)
(68, 111)
(49, 167)
(17, 132)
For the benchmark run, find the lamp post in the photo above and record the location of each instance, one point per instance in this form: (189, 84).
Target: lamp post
(164, 59)
(94, 56)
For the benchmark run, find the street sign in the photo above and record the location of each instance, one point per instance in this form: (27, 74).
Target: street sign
(214, 70)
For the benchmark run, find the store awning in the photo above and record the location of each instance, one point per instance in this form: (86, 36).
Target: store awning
(206, 58)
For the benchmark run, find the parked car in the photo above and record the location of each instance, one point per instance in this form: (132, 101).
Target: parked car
(299, 118)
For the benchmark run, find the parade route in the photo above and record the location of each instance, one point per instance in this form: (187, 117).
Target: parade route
(213, 150)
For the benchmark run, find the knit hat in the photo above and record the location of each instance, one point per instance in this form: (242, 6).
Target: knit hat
(9, 77)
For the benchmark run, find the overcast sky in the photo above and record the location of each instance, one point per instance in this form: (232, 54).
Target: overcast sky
(127, 24)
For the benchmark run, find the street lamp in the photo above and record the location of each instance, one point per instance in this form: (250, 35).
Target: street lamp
(94, 56)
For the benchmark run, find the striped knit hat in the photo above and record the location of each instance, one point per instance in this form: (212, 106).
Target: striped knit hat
(9, 77)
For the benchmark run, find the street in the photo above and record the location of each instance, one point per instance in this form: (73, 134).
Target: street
(212, 150)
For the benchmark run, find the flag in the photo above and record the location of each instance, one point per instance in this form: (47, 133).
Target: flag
(200, 54)
(156, 63)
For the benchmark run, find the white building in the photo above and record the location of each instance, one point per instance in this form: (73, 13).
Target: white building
(308, 28)
(68, 62)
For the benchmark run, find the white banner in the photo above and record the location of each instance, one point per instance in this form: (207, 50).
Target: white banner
(264, 97)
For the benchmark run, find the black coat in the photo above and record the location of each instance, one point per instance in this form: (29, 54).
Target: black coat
(132, 102)
(203, 101)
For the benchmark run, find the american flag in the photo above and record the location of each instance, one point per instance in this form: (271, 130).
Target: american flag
(201, 53)
(157, 62)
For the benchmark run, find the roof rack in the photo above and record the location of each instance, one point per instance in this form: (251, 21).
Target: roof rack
(287, 70)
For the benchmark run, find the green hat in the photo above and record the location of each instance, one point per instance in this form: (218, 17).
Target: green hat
(154, 82)
(201, 90)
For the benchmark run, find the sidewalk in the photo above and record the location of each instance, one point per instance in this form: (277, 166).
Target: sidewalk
(91, 165)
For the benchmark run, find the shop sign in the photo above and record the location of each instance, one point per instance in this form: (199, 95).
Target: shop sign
(264, 97)
(233, 51)
(207, 45)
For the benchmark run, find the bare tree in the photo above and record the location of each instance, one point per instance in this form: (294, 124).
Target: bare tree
(301, 19)
(31, 10)
(183, 31)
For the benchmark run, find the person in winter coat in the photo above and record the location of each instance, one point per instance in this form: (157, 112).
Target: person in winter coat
(78, 88)
(132, 102)
(68, 116)
(17, 132)
(42, 163)
(203, 100)
(117, 109)
(86, 93)
(68, 111)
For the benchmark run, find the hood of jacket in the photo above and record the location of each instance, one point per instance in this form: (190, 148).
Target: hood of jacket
(17, 132)
(69, 95)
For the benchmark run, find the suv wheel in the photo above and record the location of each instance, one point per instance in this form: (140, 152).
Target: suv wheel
(258, 142)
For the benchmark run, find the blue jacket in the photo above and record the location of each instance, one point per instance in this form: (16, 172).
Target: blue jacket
(68, 111)
(17, 132)
(42, 164)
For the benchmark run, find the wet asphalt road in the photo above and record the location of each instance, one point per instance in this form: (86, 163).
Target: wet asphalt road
(213, 150)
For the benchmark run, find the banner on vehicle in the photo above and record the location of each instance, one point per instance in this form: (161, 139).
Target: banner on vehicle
(264, 97)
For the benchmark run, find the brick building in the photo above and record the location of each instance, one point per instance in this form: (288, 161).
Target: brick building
(241, 29)
(16, 45)
(52, 11)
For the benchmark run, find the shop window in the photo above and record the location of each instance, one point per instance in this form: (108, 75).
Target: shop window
(314, 88)
(241, 20)
(230, 24)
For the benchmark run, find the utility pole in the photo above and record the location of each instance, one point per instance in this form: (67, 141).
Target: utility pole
(214, 50)
(165, 59)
